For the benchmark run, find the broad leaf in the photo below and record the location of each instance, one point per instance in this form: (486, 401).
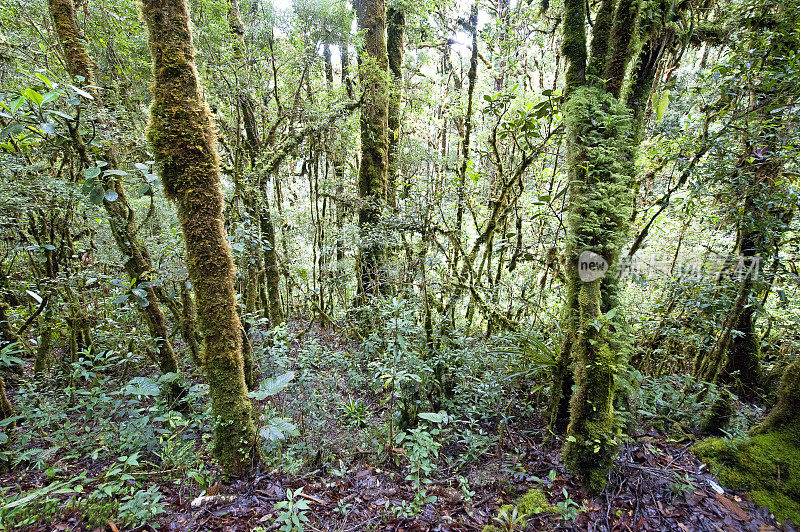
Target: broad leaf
(142, 386)
(33, 96)
(272, 386)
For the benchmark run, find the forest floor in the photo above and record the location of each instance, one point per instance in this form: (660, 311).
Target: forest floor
(657, 484)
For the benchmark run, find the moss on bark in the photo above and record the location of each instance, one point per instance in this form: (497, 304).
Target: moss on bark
(372, 174)
(574, 44)
(138, 264)
(601, 32)
(271, 265)
(395, 33)
(71, 40)
(601, 151)
(183, 139)
(621, 45)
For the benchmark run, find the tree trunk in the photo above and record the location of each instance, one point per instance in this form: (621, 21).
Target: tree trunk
(601, 152)
(182, 134)
(138, 266)
(396, 19)
(65, 22)
(372, 175)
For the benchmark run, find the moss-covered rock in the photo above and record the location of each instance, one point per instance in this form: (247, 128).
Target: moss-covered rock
(765, 465)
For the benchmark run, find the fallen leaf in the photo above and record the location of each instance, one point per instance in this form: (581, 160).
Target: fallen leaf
(732, 507)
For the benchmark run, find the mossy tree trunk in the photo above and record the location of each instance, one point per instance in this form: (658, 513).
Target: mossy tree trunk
(183, 138)
(601, 149)
(72, 41)
(395, 32)
(372, 174)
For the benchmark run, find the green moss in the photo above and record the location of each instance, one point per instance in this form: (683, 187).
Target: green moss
(718, 415)
(766, 465)
(534, 502)
(183, 137)
(69, 35)
(574, 42)
(601, 152)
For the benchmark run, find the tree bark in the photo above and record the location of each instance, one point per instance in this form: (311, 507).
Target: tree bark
(183, 138)
(138, 266)
(372, 175)
(396, 19)
(69, 35)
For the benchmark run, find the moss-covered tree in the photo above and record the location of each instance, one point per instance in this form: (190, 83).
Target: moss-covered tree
(183, 138)
(372, 173)
(603, 127)
(72, 41)
(138, 264)
(395, 34)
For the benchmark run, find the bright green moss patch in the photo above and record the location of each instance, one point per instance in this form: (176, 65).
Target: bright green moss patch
(766, 465)
(534, 502)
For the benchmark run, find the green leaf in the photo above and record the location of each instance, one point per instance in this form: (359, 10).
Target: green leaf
(96, 195)
(12, 129)
(661, 106)
(82, 92)
(50, 97)
(91, 173)
(35, 494)
(138, 292)
(111, 196)
(116, 172)
(432, 416)
(571, 439)
(44, 80)
(271, 386)
(62, 115)
(33, 96)
(142, 386)
(278, 428)
(16, 104)
(36, 297)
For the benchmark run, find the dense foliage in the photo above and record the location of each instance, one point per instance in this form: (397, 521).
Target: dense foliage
(434, 241)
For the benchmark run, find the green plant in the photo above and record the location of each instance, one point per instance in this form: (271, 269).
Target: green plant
(466, 492)
(422, 450)
(355, 412)
(568, 508)
(292, 512)
(681, 486)
(508, 518)
(141, 507)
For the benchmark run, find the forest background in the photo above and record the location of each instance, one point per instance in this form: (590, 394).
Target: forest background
(498, 248)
